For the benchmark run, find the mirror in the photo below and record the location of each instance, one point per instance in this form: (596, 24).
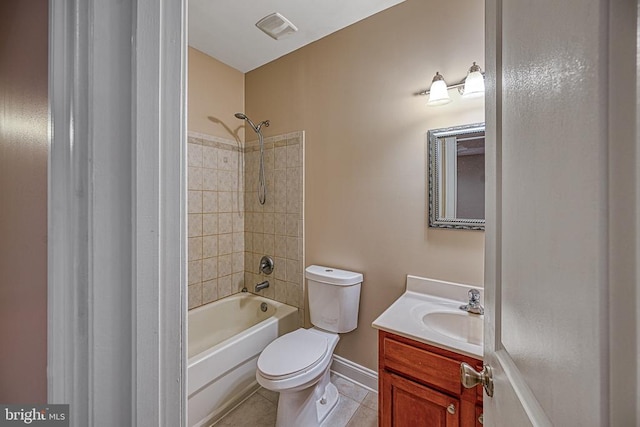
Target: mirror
(456, 177)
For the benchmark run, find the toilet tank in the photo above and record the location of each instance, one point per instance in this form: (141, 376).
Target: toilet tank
(334, 298)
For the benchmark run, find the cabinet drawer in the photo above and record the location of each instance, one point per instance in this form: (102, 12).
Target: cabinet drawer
(422, 365)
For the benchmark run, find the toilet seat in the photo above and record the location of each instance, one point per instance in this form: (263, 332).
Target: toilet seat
(292, 354)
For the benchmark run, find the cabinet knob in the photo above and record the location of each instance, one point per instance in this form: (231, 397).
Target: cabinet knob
(470, 378)
(451, 409)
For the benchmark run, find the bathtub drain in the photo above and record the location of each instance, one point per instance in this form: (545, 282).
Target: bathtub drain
(263, 306)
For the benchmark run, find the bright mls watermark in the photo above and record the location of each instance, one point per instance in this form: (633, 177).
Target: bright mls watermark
(34, 415)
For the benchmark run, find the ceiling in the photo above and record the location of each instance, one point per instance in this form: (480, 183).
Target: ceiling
(225, 29)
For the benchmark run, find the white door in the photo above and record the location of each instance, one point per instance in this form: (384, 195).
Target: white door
(560, 282)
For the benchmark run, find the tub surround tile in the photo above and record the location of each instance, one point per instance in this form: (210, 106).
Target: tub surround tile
(238, 241)
(292, 248)
(209, 269)
(237, 262)
(194, 178)
(209, 179)
(225, 222)
(292, 225)
(209, 246)
(280, 290)
(237, 282)
(195, 295)
(194, 225)
(224, 265)
(269, 292)
(224, 286)
(194, 153)
(225, 244)
(280, 247)
(225, 201)
(209, 157)
(194, 272)
(238, 222)
(209, 291)
(195, 248)
(194, 203)
(229, 230)
(209, 203)
(209, 224)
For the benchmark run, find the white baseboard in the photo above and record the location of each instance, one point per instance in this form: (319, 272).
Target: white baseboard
(355, 373)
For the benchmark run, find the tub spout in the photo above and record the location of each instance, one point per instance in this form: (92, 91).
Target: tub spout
(261, 286)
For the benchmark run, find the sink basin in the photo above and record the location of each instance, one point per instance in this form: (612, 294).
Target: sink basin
(460, 326)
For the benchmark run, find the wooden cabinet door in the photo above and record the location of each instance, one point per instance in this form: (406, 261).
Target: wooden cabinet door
(409, 404)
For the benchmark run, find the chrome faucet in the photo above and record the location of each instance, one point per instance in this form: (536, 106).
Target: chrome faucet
(262, 285)
(474, 305)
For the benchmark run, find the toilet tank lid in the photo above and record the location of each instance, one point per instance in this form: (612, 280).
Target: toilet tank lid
(332, 276)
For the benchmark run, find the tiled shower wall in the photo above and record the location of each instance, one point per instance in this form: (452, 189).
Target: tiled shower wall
(229, 230)
(216, 218)
(276, 228)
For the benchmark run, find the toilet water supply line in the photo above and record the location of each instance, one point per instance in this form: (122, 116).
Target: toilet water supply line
(262, 186)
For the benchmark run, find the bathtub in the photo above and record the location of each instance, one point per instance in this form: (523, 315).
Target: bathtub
(225, 339)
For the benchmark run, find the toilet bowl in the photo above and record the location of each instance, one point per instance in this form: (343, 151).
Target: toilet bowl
(297, 364)
(298, 368)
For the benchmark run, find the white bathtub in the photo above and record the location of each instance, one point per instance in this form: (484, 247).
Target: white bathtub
(225, 339)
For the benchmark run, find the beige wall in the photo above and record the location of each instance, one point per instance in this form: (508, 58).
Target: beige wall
(353, 95)
(23, 201)
(215, 93)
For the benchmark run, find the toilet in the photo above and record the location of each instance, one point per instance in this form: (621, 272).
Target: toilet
(297, 364)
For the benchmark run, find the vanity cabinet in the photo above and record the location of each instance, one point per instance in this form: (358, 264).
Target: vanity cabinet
(419, 385)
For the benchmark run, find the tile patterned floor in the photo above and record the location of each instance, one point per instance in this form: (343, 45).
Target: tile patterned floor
(357, 407)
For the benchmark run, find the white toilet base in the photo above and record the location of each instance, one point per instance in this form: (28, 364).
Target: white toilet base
(307, 407)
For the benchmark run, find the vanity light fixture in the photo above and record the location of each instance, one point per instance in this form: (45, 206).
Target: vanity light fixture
(438, 93)
(471, 86)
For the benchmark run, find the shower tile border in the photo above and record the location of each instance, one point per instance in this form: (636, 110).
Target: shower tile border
(214, 141)
(291, 138)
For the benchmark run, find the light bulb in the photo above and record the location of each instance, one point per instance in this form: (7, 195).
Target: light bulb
(474, 83)
(438, 93)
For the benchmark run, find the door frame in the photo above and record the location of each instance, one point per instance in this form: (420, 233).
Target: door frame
(116, 211)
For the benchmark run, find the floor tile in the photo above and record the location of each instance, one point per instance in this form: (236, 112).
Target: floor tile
(342, 413)
(357, 408)
(271, 396)
(256, 411)
(364, 417)
(371, 400)
(349, 389)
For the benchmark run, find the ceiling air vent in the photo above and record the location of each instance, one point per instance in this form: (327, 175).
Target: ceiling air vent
(276, 26)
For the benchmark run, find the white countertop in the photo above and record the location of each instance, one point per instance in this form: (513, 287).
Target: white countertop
(423, 296)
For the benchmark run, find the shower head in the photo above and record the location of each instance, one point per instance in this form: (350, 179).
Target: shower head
(256, 129)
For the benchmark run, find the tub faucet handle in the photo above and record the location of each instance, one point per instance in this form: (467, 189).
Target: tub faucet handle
(266, 265)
